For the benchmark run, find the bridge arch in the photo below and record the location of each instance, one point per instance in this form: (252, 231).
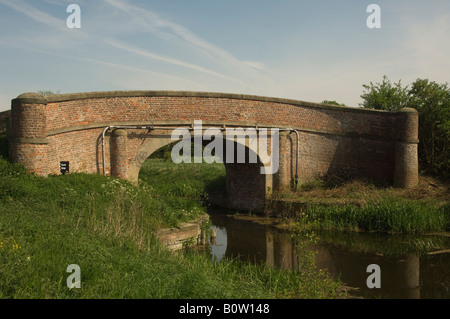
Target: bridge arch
(246, 187)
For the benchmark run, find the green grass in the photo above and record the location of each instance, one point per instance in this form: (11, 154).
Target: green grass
(388, 215)
(182, 180)
(362, 206)
(107, 227)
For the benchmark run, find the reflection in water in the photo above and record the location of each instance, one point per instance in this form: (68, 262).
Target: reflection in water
(219, 243)
(403, 276)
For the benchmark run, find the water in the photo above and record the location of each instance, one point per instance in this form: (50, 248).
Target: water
(345, 255)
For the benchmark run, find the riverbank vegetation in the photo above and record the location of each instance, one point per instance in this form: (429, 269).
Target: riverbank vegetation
(364, 206)
(107, 227)
(361, 205)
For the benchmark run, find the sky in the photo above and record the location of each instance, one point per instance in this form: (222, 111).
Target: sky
(304, 50)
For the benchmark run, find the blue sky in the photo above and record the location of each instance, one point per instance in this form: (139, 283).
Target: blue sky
(306, 50)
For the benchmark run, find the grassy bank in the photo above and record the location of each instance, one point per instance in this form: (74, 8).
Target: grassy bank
(359, 205)
(106, 226)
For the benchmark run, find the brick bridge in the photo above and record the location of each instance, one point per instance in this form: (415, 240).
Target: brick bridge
(112, 133)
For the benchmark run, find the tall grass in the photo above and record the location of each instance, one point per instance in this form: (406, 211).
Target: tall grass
(107, 227)
(362, 205)
(387, 214)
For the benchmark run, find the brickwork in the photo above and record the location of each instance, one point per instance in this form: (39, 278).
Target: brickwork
(5, 117)
(406, 157)
(119, 154)
(332, 139)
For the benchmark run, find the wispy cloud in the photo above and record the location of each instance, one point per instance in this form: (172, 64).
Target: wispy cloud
(225, 67)
(127, 47)
(155, 24)
(35, 14)
(256, 64)
(170, 31)
(93, 61)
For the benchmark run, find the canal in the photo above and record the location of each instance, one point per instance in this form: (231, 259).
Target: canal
(411, 266)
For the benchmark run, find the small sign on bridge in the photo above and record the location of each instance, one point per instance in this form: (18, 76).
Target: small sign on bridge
(64, 167)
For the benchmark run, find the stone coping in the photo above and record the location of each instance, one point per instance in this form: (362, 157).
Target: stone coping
(39, 99)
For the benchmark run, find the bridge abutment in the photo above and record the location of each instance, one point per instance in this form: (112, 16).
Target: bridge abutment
(28, 143)
(284, 178)
(406, 169)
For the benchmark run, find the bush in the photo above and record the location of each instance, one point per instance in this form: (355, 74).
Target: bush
(385, 96)
(432, 101)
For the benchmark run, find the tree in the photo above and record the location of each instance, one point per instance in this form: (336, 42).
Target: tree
(432, 101)
(385, 96)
